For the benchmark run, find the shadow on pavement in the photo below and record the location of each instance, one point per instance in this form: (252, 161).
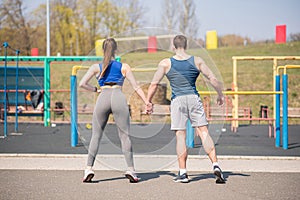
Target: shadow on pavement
(202, 176)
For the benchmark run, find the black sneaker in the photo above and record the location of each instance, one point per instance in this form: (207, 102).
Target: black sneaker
(219, 175)
(181, 178)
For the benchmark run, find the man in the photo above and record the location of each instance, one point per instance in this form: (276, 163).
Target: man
(182, 70)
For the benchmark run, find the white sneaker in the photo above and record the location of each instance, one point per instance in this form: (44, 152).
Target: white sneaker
(219, 175)
(133, 178)
(88, 175)
(181, 178)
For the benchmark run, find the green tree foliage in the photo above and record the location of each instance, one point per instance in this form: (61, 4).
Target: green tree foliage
(14, 25)
(75, 25)
(116, 20)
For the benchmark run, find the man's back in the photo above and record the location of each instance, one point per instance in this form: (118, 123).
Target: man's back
(182, 76)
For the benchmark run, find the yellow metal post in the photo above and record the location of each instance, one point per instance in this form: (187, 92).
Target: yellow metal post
(98, 47)
(274, 85)
(235, 101)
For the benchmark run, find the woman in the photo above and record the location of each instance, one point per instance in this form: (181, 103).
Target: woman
(110, 75)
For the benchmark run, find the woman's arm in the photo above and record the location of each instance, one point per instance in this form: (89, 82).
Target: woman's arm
(127, 72)
(84, 82)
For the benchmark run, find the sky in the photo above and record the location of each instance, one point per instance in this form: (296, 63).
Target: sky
(255, 19)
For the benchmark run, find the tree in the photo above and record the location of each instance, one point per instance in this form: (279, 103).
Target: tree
(37, 21)
(295, 37)
(135, 13)
(91, 15)
(115, 19)
(15, 23)
(75, 25)
(188, 19)
(170, 14)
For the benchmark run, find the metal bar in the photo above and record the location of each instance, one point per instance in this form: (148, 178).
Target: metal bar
(266, 57)
(200, 92)
(285, 103)
(78, 67)
(17, 95)
(74, 133)
(274, 86)
(190, 132)
(242, 92)
(235, 101)
(285, 111)
(54, 58)
(143, 69)
(277, 130)
(5, 44)
(48, 27)
(47, 112)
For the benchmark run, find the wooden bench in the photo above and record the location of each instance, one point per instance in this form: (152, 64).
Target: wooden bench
(213, 112)
(158, 110)
(292, 112)
(31, 81)
(24, 106)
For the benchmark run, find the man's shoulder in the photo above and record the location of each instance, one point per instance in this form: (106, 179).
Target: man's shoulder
(165, 62)
(198, 60)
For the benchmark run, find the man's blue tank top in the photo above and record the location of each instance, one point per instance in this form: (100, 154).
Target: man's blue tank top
(113, 74)
(182, 76)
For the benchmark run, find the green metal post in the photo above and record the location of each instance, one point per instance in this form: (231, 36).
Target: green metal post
(47, 112)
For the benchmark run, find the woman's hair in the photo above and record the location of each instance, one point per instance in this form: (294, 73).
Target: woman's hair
(109, 47)
(180, 41)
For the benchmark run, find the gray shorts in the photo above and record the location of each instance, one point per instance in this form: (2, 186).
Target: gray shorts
(184, 108)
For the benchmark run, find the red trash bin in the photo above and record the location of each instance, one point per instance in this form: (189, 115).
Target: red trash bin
(152, 44)
(34, 52)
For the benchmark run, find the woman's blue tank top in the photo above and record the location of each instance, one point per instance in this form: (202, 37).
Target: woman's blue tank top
(113, 74)
(182, 76)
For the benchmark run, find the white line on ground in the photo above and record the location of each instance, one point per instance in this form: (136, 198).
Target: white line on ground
(148, 162)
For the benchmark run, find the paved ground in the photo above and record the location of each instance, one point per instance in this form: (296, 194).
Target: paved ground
(36, 184)
(155, 139)
(39, 163)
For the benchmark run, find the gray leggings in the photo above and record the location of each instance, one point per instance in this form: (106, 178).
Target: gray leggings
(111, 100)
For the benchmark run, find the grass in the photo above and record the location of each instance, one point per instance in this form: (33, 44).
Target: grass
(252, 75)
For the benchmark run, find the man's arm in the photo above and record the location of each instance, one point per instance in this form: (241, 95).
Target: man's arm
(158, 76)
(217, 85)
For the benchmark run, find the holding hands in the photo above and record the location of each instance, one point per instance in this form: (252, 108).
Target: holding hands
(149, 108)
(220, 100)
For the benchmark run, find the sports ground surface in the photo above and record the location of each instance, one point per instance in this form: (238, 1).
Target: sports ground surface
(39, 163)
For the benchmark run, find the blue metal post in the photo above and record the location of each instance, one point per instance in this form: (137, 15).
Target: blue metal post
(278, 136)
(74, 134)
(17, 94)
(285, 111)
(189, 135)
(5, 44)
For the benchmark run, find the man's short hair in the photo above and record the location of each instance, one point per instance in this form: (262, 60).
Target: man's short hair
(180, 41)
